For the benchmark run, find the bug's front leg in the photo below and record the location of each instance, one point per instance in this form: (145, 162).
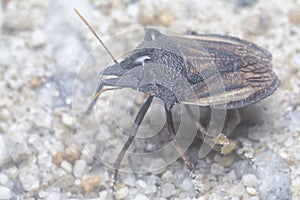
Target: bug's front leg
(136, 124)
(172, 135)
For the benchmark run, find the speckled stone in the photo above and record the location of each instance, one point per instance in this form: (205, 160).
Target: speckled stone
(29, 177)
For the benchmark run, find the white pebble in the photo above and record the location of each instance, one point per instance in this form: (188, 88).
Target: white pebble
(3, 179)
(103, 195)
(5, 58)
(67, 119)
(38, 38)
(80, 168)
(251, 191)
(140, 197)
(250, 180)
(29, 177)
(4, 157)
(141, 185)
(66, 166)
(5, 193)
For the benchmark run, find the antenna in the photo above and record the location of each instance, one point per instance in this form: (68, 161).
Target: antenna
(95, 34)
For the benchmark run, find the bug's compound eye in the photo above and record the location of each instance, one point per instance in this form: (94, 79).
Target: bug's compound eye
(138, 58)
(142, 60)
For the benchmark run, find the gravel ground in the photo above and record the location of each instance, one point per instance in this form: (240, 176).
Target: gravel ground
(49, 63)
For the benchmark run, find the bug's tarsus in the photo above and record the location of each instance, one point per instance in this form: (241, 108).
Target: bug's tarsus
(95, 34)
(137, 122)
(172, 135)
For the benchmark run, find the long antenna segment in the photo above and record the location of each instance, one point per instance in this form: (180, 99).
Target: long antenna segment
(95, 34)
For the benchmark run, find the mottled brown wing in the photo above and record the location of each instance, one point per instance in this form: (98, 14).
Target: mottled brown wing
(226, 72)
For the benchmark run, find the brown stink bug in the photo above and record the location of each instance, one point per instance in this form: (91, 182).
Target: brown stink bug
(211, 70)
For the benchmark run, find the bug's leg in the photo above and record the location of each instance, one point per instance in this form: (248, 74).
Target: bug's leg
(233, 119)
(137, 122)
(204, 135)
(172, 135)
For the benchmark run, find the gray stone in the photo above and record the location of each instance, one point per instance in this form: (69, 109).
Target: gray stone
(244, 3)
(249, 180)
(187, 185)
(17, 147)
(272, 172)
(168, 190)
(274, 176)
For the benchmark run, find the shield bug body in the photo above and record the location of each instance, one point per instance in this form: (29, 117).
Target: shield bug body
(210, 70)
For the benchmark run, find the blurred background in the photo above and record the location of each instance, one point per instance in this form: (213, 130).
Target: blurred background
(43, 47)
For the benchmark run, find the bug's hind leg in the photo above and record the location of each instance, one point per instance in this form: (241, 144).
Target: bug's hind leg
(172, 135)
(137, 122)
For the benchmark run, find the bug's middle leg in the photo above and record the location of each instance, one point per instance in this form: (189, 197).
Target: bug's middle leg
(172, 135)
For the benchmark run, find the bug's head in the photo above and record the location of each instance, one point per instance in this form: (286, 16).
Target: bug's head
(143, 60)
(128, 72)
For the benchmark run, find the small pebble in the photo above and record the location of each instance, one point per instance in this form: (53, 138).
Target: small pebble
(66, 166)
(80, 168)
(216, 169)
(34, 82)
(67, 119)
(121, 191)
(73, 153)
(249, 180)
(17, 147)
(251, 191)
(38, 38)
(58, 158)
(65, 181)
(168, 190)
(88, 184)
(3, 179)
(187, 185)
(294, 15)
(5, 193)
(244, 3)
(29, 176)
(140, 197)
(103, 195)
(226, 161)
(141, 185)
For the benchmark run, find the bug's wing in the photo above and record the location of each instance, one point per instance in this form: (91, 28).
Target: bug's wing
(226, 72)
